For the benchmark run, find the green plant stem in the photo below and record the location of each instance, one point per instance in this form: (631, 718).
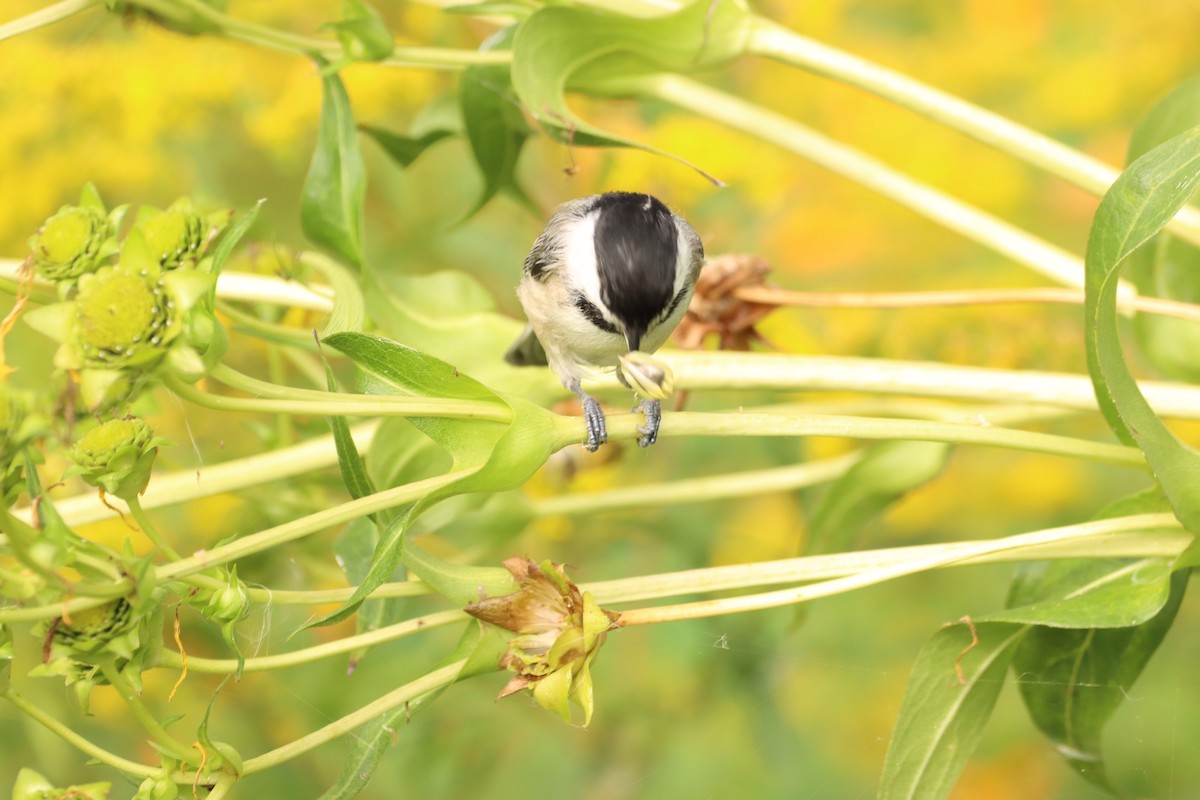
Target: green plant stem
(46, 16)
(147, 525)
(773, 371)
(168, 742)
(220, 790)
(427, 57)
(248, 545)
(698, 490)
(393, 699)
(993, 232)
(299, 597)
(1142, 535)
(298, 528)
(624, 426)
(170, 658)
(345, 404)
(230, 476)
(70, 736)
(947, 555)
(772, 40)
(268, 331)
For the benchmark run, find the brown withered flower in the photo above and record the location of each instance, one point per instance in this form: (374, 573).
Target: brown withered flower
(559, 631)
(717, 308)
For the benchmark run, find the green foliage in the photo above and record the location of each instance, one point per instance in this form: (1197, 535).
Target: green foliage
(456, 432)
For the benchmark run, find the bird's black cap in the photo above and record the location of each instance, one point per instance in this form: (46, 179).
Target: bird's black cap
(636, 247)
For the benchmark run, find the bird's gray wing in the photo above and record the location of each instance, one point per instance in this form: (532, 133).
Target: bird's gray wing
(526, 351)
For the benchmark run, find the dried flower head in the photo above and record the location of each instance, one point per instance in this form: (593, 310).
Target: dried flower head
(716, 307)
(559, 631)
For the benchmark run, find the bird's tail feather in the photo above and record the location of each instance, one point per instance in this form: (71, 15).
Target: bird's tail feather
(526, 351)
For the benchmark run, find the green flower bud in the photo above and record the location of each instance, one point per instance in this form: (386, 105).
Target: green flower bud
(124, 319)
(179, 237)
(69, 243)
(646, 375)
(116, 456)
(159, 787)
(559, 633)
(32, 785)
(230, 603)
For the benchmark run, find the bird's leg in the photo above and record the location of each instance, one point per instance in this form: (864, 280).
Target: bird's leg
(593, 415)
(653, 411)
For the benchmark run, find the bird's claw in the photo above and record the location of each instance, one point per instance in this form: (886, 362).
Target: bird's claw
(653, 411)
(597, 428)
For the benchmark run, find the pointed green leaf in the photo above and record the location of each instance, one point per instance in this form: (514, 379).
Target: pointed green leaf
(354, 472)
(1072, 681)
(941, 720)
(1087, 593)
(462, 584)
(331, 202)
(233, 235)
(1137, 206)
(886, 473)
(403, 370)
(404, 150)
(495, 125)
(349, 311)
(559, 49)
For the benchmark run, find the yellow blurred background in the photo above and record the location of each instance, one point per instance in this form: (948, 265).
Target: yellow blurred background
(780, 704)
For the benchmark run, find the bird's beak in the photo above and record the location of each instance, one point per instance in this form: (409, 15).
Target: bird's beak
(633, 339)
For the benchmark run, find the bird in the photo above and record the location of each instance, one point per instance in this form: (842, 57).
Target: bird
(611, 273)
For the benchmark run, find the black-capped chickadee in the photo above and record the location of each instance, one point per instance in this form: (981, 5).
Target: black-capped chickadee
(611, 273)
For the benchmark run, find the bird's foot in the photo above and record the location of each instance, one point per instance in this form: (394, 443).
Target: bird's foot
(597, 428)
(653, 411)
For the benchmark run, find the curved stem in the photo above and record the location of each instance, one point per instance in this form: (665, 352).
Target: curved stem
(393, 699)
(1142, 535)
(624, 426)
(147, 525)
(914, 562)
(782, 372)
(1054, 262)
(168, 742)
(67, 734)
(345, 405)
(772, 40)
(697, 490)
(169, 658)
(42, 17)
(771, 295)
(230, 476)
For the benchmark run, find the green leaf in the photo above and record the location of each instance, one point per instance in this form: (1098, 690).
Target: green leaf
(1087, 593)
(460, 583)
(1072, 681)
(1134, 209)
(401, 454)
(232, 235)
(885, 474)
(495, 125)
(404, 150)
(941, 720)
(331, 201)
(559, 49)
(354, 472)
(1168, 267)
(490, 456)
(349, 310)
(363, 33)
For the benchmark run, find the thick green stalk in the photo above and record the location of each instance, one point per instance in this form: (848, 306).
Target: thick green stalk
(1142, 535)
(46, 16)
(1146, 525)
(393, 699)
(169, 743)
(993, 232)
(147, 525)
(228, 666)
(69, 735)
(344, 405)
(624, 426)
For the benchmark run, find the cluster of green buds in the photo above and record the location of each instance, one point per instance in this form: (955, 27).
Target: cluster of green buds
(116, 456)
(20, 425)
(120, 322)
(113, 636)
(77, 240)
(559, 631)
(32, 785)
(227, 606)
(160, 786)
